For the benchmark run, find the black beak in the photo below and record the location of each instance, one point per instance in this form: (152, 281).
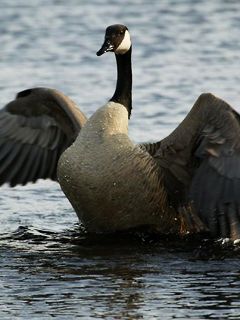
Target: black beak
(107, 46)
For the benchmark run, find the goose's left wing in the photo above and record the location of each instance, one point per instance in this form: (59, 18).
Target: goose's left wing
(201, 164)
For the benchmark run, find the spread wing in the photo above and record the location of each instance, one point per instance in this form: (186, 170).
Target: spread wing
(35, 129)
(201, 165)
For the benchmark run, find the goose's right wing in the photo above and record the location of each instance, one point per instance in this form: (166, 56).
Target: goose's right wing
(35, 129)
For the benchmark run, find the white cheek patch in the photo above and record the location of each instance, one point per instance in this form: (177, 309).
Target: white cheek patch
(125, 44)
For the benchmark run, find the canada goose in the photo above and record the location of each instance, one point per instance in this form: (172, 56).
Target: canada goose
(188, 182)
(35, 129)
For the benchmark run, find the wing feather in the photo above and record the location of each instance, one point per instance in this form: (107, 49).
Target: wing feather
(205, 147)
(35, 129)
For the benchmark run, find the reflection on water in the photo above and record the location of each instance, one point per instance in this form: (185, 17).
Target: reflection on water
(117, 277)
(181, 48)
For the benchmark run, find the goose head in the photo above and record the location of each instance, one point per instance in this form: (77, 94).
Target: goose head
(117, 40)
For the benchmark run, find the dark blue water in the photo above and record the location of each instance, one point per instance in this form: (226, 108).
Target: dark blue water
(48, 267)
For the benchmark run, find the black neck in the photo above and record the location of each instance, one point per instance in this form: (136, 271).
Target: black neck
(123, 92)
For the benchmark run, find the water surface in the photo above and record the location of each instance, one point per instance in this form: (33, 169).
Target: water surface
(50, 268)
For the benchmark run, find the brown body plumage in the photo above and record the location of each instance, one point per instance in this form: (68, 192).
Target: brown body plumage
(117, 185)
